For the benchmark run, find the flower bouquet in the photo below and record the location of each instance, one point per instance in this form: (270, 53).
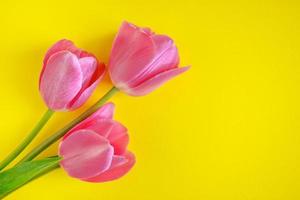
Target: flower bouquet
(93, 146)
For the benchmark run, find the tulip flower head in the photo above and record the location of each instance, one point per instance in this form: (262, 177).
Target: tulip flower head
(96, 149)
(141, 61)
(69, 76)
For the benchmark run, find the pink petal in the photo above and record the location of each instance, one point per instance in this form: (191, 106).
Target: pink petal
(61, 45)
(118, 138)
(61, 80)
(85, 154)
(148, 31)
(88, 67)
(119, 167)
(115, 132)
(155, 82)
(165, 58)
(131, 51)
(88, 87)
(104, 112)
(166, 54)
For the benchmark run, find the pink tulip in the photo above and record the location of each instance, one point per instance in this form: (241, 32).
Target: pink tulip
(141, 61)
(96, 149)
(69, 76)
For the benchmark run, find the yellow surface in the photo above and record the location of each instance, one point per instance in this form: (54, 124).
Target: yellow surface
(226, 130)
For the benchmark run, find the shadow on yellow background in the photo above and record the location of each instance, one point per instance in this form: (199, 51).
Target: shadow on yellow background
(228, 129)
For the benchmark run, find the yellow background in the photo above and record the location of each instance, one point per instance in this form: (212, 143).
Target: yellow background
(228, 129)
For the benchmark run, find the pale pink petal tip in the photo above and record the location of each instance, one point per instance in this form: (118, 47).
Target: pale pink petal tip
(106, 111)
(61, 45)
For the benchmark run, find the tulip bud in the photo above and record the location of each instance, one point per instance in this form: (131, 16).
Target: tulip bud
(96, 149)
(69, 76)
(141, 61)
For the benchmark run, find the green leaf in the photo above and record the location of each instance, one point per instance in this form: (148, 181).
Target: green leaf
(21, 174)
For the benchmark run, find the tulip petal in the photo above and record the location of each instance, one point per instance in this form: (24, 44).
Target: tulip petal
(61, 80)
(104, 112)
(85, 154)
(148, 31)
(88, 67)
(114, 131)
(119, 167)
(61, 45)
(166, 54)
(154, 82)
(166, 58)
(88, 87)
(132, 50)
(118, 138)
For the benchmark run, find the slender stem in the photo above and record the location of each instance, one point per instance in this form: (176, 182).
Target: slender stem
(56, 136)
(28, 139)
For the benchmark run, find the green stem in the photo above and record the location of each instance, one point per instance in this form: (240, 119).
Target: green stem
(28, 139)
(56, 136)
